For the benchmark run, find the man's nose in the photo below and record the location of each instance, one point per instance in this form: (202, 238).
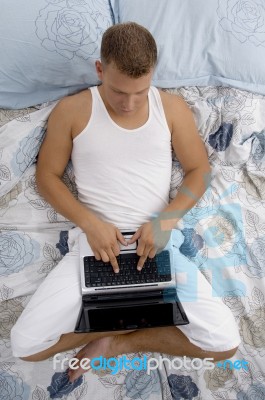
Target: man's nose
(129, 102)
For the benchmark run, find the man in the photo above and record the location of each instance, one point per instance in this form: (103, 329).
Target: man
(119, 136)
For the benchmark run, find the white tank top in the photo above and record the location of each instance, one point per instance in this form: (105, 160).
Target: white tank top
(123, 175)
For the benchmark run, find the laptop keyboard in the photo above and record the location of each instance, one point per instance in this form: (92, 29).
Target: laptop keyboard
(99, 273)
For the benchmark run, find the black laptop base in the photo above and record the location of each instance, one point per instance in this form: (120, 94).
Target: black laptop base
(132, 311)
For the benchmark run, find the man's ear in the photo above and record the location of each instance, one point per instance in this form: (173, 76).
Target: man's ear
(99, 69)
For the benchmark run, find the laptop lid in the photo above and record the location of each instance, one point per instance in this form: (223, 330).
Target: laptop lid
(138, 311)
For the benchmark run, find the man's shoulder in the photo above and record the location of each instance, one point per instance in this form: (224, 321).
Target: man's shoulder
(71, 107)
(76, 100)
(170, 99)
(174, 106)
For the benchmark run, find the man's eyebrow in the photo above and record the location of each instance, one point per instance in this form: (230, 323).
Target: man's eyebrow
(120, 91)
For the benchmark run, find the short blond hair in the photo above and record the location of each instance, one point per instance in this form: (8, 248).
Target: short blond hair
(131, 47)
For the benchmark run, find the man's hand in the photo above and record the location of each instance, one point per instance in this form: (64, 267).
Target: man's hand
(103, 239)
(151, 239)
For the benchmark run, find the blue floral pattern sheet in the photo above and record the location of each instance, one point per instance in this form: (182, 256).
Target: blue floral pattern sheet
(227, 228)
(20, 143)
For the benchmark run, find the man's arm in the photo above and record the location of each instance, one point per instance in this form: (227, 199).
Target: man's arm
(53, 157)
(192, 156)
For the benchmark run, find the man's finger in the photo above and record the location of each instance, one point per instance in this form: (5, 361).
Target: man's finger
(152, 253)
(159, 250)
(134, 237)
(141, 262)
(121, 238)
(113, 261)
(97, 255)
(116, 249)
(109, 256)
(104, 256)
(140, 249)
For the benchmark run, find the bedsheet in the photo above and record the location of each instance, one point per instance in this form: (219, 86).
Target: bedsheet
(224, 235)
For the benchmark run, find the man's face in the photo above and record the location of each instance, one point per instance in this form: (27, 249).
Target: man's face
(122, 94)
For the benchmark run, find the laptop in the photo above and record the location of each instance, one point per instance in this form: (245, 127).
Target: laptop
(130, 299)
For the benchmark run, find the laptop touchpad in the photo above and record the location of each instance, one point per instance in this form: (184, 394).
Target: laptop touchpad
(130, 247)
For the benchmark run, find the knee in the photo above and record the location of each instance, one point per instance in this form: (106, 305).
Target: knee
(222, 355)
(228, 354)
(22, 345)
(26, 358)
(25, 351)
(33, 358)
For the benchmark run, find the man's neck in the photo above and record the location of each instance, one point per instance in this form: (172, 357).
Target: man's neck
(130, 121)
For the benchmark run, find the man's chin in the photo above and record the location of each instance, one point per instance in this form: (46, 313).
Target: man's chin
(127, 112)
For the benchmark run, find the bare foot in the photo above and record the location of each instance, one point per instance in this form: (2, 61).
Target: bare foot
(100, 347)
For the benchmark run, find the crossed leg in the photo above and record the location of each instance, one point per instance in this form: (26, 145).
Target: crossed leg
(46, 325)
(167, 340)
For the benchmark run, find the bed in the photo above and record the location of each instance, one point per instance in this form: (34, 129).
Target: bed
(218, 71)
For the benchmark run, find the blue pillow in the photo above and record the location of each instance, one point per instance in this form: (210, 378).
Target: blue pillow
(203, 42)
(49, 48)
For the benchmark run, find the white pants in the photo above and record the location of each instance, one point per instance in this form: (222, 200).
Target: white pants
(53, 309)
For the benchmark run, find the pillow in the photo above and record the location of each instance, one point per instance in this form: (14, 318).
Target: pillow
(203, 42)
(49, 48)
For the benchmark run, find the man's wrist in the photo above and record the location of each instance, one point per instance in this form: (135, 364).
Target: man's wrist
(168, 220)
(169, 224)
(87, 220)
